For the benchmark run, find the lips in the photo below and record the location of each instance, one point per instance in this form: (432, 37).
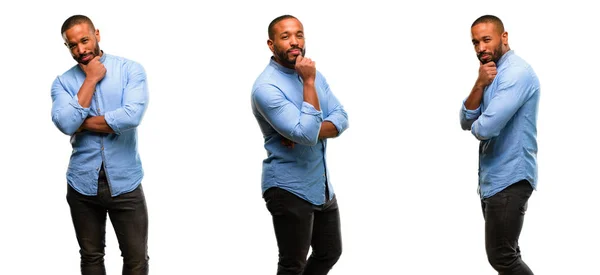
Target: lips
(86, 57)
(485, 56)
(294, 51)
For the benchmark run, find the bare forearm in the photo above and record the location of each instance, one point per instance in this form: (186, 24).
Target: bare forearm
(310, 94)
(96, 124)
(84, 96)
(328, 130)
(474, 99)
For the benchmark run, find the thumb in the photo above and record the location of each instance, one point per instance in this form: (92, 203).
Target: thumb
(490, 64)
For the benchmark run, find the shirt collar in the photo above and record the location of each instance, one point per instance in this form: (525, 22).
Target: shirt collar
(103, 57)
(504, 57)
(281, 67)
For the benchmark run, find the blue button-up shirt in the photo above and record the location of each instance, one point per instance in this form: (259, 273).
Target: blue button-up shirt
(279, 107)
(121, 97)
(505, 123)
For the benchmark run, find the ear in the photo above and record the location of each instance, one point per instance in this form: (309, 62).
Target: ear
(97, 34)
(270, 44)
(505, 38)
(64, 37)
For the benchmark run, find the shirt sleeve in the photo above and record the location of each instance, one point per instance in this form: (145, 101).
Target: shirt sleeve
(337, 115)
(514, 89)
(467, 117)
(67, 113)
(135, 101)
(298, 125)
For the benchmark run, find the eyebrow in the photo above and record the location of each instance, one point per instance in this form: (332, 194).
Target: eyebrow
(287, 32)
(85, 37)
(477, 40)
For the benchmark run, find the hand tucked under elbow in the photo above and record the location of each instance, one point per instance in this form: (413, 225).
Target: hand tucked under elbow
(466, 124)
(287, 143)
(481, 133)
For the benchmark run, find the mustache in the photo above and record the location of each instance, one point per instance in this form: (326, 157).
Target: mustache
(81, 57)
(483, 53)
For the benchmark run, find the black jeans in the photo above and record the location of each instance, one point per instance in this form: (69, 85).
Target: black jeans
(299, 225)
(129, 217)
(504, 213)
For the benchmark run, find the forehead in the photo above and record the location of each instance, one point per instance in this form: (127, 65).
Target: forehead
(484, 29)
(77, 31)
(288, 25)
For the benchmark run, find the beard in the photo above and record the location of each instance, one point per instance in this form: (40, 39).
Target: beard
(495, 55)
(282, 55)
(95, 52)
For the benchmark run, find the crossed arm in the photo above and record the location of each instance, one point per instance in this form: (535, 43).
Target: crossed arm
(70, 116)
(305, 125)
(512, 92)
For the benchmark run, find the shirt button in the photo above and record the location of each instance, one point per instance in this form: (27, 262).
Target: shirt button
(102, 148)
(98, 110)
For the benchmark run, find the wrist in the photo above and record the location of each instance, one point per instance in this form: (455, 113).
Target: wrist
(91, 80)
(479, 86)
(310, 81)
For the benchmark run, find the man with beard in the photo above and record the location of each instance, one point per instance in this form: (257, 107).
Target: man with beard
(297, 113)
(99, 103)
(501, 112)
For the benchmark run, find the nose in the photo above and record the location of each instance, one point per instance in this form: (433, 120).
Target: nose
(80, 49)
(481, 47)
(293, 40)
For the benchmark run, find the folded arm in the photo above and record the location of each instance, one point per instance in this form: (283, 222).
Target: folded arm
(336, 121)
(96, 124)
(67, 112)
(135, 102)
(301, 126)
(514, 89)
(467, 117)
(470, 110)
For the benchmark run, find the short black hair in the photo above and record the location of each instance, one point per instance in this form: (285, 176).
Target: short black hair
(275, 21)
(490, 19)
(75, 20)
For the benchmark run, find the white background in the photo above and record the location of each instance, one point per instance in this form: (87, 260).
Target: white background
(404, 172)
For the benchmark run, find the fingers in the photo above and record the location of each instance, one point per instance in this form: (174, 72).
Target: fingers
(310, 62)
(305, 68)
(304, 61)
(94, 60)
(490, 64)
(489, 67)
(487, 73)
(287, 143)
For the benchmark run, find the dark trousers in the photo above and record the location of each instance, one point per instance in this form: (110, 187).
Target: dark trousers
(299, 225)
(129, 217)
(504, 213)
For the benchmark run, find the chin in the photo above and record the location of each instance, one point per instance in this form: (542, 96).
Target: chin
(84, 62)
